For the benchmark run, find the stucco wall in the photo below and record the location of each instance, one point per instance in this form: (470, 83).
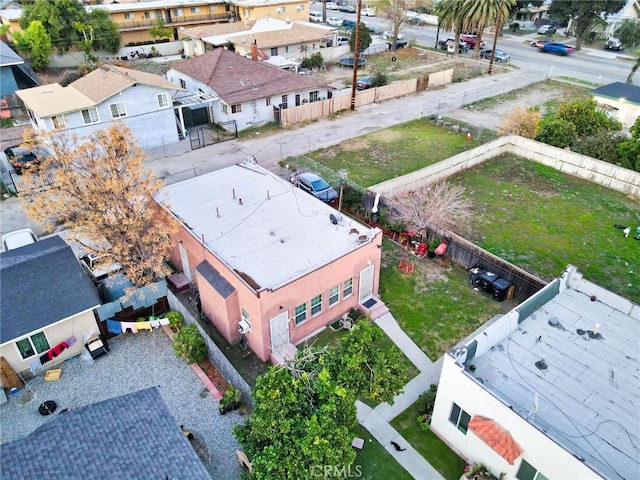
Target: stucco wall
(587, 168)
(545, 455)
(76, 326)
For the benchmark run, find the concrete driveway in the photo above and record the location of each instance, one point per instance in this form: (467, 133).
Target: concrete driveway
(136, 361)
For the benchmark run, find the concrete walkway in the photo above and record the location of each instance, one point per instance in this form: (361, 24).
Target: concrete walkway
(376, 420)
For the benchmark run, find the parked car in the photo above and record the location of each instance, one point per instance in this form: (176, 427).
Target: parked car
(348, 9)
(350, 24)
(315, 185)
(21, 158)
(334, 21)
(342, 41)
(18, 238)
(398, 44)
(613, 44)
(546, 30)
(368, 12)
(471, 40)
(388, 35)
(363, 83)
(462, 45)
(499, 56)
(315, 17)
(332, 6)
(556, 47)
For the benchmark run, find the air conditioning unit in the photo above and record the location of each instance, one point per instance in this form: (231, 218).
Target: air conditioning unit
(244, 327)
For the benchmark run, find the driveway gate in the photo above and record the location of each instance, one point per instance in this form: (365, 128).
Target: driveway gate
(209, 134)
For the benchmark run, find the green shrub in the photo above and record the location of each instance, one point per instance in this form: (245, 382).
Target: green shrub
(378, 79)
(176, 320)
(427, 400)
(189, 344)
(351, 198)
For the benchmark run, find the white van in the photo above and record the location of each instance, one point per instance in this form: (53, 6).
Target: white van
(315, 17)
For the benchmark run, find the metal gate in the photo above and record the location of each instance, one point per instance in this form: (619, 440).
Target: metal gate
(209, 134)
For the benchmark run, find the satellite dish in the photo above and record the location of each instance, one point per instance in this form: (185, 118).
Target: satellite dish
(333, 219)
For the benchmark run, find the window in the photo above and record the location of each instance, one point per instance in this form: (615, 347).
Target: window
(225, 108)
(280, 10)
(117, 110)
(283, 105)
(35, 344)
(316, 305)
(159, 14)
(163, 100)
(245, 13)
(300, 8)
(195, 10)
(334, 295)
(301, 313)
(129, 15)
(347, 288)
(314, 96)
(147, 15)
(287, 49)
(213, 8)
(245, 316)
(236, 108)
(459, 418)
(90, 116)
(268, 101)
(274, 51)
(177, 12)
(528, 472)
(58, 121)
(183, 83)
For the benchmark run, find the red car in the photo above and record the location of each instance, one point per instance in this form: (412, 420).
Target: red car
(472, 40)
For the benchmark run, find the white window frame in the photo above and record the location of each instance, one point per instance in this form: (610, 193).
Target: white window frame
(90, 111)
(163, 100)
(316, 305)
(245, 316)
(281, 10)
(300, 8)
(195, 10)
(456, 421)
(268, 101)
(120, 112)
(58, 122)
(147, 16)
(225, 108)
(177, 12)
(334, 295)
(302, 314)
(237, 108)
(347, 288)
(183, 83)
(314, 96)
(129, 15)
(28, 338)
(536, 476)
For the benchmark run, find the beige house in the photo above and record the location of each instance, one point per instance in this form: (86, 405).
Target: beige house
(273, 264)
(620, 100)
(47, 305)
(285, 10)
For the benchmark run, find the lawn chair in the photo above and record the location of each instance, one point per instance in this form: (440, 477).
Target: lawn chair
(345, 322)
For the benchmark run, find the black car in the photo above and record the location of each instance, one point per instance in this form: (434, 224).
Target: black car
(21, 158)
(462, 46)
(347, 9)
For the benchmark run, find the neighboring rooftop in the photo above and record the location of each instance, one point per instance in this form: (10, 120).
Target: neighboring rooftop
(237, 79)
(577, 382)
(279, 232)
(618, 91)
(41, 284)
(131, 436)
(8, 56)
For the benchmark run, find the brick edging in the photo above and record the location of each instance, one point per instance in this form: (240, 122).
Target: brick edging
(208, 384)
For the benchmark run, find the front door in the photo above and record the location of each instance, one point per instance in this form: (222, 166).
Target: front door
(366, 284)
(279, 331)
(184, 258)
(297, 99)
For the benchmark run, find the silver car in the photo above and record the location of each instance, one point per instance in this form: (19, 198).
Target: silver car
(315, 185)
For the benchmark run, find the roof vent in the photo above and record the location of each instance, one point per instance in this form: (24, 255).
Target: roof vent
(333, 219)
(541, 364)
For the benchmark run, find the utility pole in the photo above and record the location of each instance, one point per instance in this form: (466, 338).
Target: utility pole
(495, 36)
(356, 56)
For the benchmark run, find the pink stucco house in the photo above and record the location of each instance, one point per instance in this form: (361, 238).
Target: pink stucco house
(271, 262)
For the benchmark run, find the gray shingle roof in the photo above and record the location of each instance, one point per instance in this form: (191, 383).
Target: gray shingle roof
(133, 436)
(617, 90)
(217, 281)
(41, 284)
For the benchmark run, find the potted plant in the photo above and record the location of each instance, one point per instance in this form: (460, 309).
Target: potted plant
(231, 400)
(432, 247)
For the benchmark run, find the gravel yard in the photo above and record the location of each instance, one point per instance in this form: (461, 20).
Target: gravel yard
(136, 361)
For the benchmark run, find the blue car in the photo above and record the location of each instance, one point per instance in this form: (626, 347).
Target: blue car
(556, 47)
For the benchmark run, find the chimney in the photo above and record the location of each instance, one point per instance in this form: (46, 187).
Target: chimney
(254, 51)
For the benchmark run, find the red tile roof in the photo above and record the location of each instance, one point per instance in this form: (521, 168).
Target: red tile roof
(237, 79)
(496, 437)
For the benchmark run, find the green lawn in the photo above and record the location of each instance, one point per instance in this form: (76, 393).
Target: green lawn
(392, 152)
(434, 450)
(373, 462)
(435, 305)
(541, 220)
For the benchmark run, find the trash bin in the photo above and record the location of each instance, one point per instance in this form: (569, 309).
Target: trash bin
(486, 281)
(500, 289)
(474, 275)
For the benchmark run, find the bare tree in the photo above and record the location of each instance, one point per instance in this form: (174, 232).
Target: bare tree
(438, 204)
(101, 191)
(397, 16)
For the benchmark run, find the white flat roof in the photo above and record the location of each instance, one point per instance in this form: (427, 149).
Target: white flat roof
(588, 397)
(279, 232)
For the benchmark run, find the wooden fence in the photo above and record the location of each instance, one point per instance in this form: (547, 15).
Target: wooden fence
(324, 108)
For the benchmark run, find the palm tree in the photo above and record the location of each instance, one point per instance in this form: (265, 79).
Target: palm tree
(629, 34)
(451, 16)
(479, 14)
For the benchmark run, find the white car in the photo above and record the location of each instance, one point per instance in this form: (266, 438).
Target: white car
(332, 6)
(342, 41)
(368, 12)
(334, 21)
(389, 35)
(18, 238)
